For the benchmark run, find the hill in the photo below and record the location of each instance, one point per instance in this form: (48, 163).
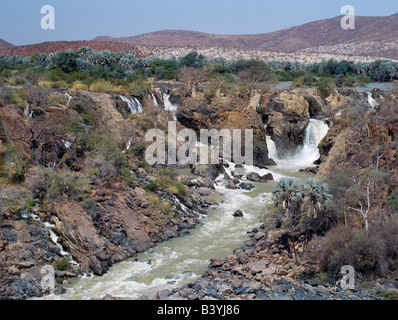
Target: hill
(373, 36)
(5, 45)
(56, 46)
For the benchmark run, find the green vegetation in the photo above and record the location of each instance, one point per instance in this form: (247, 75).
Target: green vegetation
(13, 164)
(123, 73)
(166, 180)
(61, 264)
(387, 294)
(52, 184)
(321, 278)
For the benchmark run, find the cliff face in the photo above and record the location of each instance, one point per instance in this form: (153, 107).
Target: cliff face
(121, 218)
(231, 115)
(360, 136)
(108, 220)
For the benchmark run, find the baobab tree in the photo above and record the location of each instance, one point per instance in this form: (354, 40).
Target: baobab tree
(193, 77)
(253, 76)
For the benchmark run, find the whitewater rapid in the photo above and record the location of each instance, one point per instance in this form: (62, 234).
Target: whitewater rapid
(306, 154)
(182, 260)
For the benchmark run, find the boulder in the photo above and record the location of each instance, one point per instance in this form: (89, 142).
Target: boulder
(255, 177)
(238, 213)
(257, 267)
(205, 182)
(206, 171)
(246, 186)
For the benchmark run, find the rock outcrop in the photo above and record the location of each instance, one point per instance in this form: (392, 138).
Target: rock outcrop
(197, 115)
(286, 117)
(263, 269)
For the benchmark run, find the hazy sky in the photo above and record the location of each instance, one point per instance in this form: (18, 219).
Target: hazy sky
(86, 19)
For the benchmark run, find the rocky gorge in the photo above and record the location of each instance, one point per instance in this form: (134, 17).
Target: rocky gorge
(121, 216)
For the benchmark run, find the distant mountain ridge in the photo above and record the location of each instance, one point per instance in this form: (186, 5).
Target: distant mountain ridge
(5, 45)
(381, 32)
(373, 37)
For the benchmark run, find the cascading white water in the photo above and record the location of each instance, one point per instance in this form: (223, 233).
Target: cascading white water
(182, 260)
(53, 237)
(69, 97)
(134, 104)
(306, 154)
(168, 106)
(373, 103)
(155, 101)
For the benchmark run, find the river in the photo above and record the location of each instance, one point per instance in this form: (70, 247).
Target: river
(182, 260)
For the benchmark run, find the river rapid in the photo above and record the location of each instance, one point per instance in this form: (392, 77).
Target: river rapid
(182, 260)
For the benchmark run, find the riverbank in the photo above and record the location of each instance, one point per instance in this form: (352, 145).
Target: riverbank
(263, 269)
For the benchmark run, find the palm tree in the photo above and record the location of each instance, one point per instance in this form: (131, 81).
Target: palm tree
(288, 195)
(316, 193)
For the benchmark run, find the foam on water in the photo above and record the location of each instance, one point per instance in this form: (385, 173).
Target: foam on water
(306, 154)
(184, 259)
(134, 104)
(155, 101)
(168, 106)
(373, 103)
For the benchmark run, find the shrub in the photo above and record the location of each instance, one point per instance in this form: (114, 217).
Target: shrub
(88, 204)
(54, 84)
(138, 150)
(61, 264)
(103, 86)
(57, 99)
(129, 177)
(99, 170)
(52, 184)
(164, 69)
(387, 294)
(321, 278)
(15, 198)
(79, 86)
(16, 81)
(393, 197)
(349, 81)
(143, 164)
(365, 251)
(178, 189)
(99, 144)
(13, 164)
(151, 186)
(8, 97)
(140, 89)
(163, 181)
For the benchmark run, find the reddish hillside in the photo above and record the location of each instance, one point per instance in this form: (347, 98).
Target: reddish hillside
(372, 37)
(5, 45)
(57, 46)
(381, 33)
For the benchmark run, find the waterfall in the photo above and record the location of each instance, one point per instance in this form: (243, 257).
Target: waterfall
(155, 101)
(372, 101)
(53, 236)
(69, 97)
(306, 154)
(168, 106)
(128, 145)
(134, 104)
